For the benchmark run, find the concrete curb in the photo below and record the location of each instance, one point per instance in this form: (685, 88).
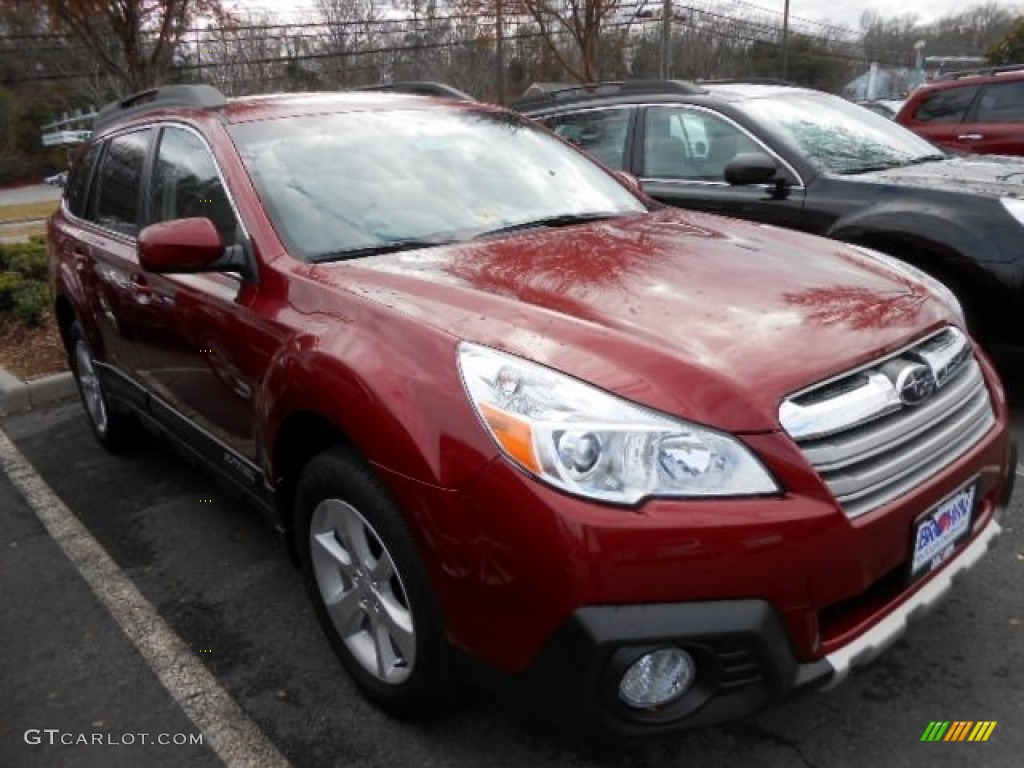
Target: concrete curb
(18, 395)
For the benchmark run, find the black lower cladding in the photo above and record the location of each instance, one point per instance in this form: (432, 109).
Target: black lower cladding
(743, 658)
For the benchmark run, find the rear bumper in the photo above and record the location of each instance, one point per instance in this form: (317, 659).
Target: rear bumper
(744, 658)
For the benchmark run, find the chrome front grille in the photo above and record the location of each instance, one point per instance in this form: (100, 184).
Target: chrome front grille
(876, 433)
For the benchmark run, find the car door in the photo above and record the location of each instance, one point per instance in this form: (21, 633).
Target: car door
(940, 115)
(685, 150)
(203, 349)
(995, 125)
(106, 259)
(604, 133)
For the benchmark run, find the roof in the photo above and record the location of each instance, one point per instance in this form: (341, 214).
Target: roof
(198, 99)
(627, 92)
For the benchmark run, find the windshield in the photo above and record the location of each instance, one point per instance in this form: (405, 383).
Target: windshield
(836, 135)
(353, 184)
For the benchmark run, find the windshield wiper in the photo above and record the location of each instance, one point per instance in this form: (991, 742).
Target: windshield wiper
(888, 166)
(390, 246)
(561, 220)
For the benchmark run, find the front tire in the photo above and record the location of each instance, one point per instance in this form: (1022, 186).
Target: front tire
(369, 587)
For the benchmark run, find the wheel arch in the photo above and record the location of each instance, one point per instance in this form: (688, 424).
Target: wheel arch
(301, 436)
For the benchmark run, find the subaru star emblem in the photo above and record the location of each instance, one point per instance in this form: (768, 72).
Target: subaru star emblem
(915, 384)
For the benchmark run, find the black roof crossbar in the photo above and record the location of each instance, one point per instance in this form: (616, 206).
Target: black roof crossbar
(420, 88)
(199, 96)
(981, 71)
(613, 88)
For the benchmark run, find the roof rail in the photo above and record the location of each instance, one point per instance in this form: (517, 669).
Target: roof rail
(611, 88)
(199, 96)
(750, 81)
(981, 71)
(420, 88)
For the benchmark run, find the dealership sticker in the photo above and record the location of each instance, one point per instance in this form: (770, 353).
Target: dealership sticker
(958, 730)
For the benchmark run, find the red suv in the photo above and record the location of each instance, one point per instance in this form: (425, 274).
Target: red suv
(654, 468)
(974, 111)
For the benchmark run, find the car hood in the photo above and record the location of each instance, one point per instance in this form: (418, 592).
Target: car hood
(992, 175)
(709, 318)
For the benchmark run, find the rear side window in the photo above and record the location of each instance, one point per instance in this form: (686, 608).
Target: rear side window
(601, 133)
(946, 106)
(1002, 103)
(77, 190)
(119, 178)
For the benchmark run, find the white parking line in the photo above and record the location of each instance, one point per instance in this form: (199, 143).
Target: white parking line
(226, 729)
(1020, 470)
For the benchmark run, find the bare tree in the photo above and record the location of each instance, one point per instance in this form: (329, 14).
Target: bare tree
(583, 21)
(132, 40)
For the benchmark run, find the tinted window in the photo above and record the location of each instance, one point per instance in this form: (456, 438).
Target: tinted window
(948, 106)
(601, 133)
(691, 144)
(185, 184)
(118, 180)
(77, 189)
(1002, 103)
(337, 184)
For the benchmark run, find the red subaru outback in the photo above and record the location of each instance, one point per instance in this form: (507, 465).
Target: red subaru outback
(654, 468)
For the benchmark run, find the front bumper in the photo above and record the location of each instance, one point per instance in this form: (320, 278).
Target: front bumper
(744, 658)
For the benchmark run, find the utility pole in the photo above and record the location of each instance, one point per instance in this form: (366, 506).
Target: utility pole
(666, 39)
(499, 47)
(785, 42)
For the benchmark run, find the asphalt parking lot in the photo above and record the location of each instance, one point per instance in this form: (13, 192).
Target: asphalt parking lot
(234, 646)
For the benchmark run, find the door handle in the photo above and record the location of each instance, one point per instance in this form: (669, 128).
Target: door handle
(140, 290)
(970, 137)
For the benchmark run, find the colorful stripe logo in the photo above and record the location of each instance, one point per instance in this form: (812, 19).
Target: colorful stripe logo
(958, 730)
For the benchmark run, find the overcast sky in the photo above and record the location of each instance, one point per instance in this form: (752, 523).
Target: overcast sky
(846, 13)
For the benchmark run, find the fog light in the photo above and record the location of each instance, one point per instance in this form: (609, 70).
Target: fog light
(657, 678)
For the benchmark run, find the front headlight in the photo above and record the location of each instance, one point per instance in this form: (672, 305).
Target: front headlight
(940, 289)
(594, 444)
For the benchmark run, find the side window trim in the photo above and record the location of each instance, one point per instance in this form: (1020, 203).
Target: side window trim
(170, 124)
(642, 121)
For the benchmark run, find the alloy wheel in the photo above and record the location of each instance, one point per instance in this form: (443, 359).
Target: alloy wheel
(362, 591)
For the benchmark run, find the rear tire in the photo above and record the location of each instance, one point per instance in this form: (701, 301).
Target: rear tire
(116, 431)
(369, 587)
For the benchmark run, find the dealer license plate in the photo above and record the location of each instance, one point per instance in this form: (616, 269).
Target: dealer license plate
(940, 530)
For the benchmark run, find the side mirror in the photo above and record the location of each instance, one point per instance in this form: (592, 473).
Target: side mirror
(751, 168)
(183, 245)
